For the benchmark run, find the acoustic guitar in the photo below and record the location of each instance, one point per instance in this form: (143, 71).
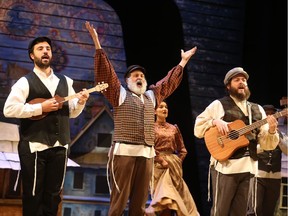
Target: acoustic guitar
(221, 147)
(61, 100)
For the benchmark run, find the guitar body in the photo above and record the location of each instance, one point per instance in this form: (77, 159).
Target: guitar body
(223, 147)
(59, 99)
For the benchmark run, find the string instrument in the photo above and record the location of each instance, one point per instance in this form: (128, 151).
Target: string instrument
(61, 100)
(221, 147)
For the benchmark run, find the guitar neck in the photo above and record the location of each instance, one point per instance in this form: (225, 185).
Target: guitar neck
(99, 87)
(259, 123)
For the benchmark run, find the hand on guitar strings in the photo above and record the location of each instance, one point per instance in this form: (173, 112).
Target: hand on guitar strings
(50, 105)
(273, 124)
(221, 125)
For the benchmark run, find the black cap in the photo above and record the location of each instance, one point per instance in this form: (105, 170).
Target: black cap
(36, 41)
(132, 68)
(269, 107)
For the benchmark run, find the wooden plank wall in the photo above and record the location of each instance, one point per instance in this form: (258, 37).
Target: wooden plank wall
(216, 27)
(73, 49)
(63, 22)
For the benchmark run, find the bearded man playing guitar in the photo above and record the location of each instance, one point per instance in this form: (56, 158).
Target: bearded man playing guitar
(232, 127)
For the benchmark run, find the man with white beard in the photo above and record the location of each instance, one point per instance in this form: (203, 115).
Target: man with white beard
(131, 155)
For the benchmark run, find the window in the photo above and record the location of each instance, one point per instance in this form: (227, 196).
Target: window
(67, 212)
(104, 140)
(78, 180)
(101, 186)
(284, 194)
(97, 213)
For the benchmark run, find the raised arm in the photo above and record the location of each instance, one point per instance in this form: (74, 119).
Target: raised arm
(93, 34)
(187, 55)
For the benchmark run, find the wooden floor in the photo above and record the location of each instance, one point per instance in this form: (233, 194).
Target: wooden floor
(10, 207)
(10, 211)
(13, 207)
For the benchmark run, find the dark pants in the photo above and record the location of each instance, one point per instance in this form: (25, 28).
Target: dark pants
(268, 192)
(42, 178)
(230, 193)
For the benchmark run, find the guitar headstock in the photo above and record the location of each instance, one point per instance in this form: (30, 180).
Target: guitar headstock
(101, 86)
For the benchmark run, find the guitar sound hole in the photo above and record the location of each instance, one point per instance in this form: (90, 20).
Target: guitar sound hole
(233, 135)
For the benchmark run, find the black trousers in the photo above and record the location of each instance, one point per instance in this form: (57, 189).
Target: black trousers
(42, 176)
(268, 192)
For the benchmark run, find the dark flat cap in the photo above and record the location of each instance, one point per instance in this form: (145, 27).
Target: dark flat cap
(132, 68)
(36, 41)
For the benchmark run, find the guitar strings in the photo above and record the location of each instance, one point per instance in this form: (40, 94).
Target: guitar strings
(235, 134)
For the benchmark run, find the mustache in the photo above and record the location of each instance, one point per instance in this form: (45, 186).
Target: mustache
(243, 85)
(45, 56)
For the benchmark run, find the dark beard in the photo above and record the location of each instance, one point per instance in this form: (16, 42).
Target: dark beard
(234, 93)
(40, 64)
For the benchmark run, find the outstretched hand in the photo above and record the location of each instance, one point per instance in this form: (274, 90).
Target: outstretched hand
(187, 55)
(93, 34)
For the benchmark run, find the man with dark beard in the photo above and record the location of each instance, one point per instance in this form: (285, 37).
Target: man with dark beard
(44, 129)
(131, 155)
(231, 170)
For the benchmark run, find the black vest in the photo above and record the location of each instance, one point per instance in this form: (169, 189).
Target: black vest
(54, 126)
(232, 113)
(270, 160)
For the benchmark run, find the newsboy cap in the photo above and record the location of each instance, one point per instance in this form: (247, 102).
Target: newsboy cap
(233, 72)
(132, 68)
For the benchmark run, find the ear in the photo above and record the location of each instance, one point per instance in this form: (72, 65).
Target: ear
(32, 56)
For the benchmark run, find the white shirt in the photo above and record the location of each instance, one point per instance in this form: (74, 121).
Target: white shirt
(16, 106)
(245, 164)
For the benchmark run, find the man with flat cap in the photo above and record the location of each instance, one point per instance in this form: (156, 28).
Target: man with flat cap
(131, 155)
(231, 170)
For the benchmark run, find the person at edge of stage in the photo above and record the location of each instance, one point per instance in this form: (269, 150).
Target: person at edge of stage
(267, 181)
(44, 129)
(131, 155)
(218, 124)
(171, 195)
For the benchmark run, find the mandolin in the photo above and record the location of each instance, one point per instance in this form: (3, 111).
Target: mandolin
(61, 100)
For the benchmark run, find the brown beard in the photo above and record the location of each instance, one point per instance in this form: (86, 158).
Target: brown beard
(240, 96)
